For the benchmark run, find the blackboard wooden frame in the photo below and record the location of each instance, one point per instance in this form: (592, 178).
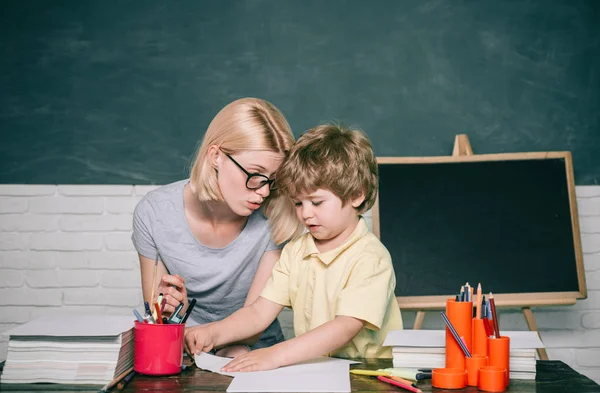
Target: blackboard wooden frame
(463, 153)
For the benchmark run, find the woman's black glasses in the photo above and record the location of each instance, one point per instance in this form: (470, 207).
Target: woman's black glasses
(255, 180)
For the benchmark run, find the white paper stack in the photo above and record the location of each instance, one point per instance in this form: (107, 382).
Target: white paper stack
(426, 349)
(87, 350)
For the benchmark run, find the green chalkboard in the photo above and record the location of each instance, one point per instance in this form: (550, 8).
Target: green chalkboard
(509, 223)
(121, 91)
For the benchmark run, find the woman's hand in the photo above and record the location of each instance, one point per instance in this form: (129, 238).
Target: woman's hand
(173, 290)
(198, 339)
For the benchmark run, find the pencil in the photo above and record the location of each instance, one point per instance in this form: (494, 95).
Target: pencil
(154, 280)
(494, 316)
(459, 341)
(410, 388)
(404, 381)
(116, 380)
(478, 309)
(125, 381)
(488, 329)
(158, 313)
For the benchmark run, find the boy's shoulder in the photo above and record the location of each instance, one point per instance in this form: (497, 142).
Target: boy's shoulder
(370, 244)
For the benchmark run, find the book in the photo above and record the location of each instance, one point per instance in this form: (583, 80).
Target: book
(426, 349)
(525, 339)
(78, 350)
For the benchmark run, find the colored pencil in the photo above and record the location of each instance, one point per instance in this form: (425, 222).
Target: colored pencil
(494, 316)
(459, 341)
(478, 306)
(410, 388)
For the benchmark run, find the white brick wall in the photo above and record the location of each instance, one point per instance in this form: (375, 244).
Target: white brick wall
(66, 250)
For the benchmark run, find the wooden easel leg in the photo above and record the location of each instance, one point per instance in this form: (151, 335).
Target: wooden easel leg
(419, 320)
(532, 326)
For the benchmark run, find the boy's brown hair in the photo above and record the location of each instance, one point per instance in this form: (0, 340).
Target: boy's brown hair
(334, 158)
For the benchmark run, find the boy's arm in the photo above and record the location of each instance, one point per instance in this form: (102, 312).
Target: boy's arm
(240, 325)
(317, 342)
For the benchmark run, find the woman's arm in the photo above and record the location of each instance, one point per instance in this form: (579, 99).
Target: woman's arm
(263, 273)
(172, 287)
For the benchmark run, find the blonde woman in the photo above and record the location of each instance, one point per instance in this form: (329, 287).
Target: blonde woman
(219, 233)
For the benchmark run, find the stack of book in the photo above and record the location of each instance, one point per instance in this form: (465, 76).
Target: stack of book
(522, 363)
(82, 350)
(426, 349)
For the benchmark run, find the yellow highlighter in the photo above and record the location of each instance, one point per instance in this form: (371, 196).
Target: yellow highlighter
(406, 373)
(372, 373)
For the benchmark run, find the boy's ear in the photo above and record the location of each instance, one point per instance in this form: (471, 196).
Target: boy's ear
(357, 201)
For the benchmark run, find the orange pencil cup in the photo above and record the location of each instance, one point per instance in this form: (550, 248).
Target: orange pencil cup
(460, 315)
(158, 348)
(480, 345)
(491, 379)
(474, 363)
(449, 378)
(499, 354)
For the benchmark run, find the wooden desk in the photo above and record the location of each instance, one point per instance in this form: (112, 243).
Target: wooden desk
(553, 376)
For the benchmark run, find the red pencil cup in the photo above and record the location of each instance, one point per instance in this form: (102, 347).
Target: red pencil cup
(158, 348)
(474, 363)
(499, 354)
(460, 315)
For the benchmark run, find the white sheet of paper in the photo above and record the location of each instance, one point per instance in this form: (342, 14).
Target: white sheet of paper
(519, 339)
(317, 375)
(314, 378)
(522, 339)
(77, 326)
(213, 363)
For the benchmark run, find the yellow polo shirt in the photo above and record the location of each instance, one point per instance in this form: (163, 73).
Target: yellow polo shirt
(355, 279)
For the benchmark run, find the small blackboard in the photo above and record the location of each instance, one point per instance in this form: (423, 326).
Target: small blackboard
(507, 221)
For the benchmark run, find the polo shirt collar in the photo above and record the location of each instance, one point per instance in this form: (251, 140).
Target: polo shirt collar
(310, 248)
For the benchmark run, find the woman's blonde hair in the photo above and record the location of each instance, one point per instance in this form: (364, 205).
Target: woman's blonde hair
(335, 158)
(248, 124)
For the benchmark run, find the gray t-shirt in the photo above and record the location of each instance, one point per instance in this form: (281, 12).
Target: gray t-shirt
(218, 278)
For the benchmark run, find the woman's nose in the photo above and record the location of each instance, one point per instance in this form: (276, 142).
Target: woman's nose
(264, 191)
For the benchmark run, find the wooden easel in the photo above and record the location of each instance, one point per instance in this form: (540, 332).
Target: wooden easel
(462, 147)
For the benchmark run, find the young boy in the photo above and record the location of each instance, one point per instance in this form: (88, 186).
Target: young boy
(338, 278)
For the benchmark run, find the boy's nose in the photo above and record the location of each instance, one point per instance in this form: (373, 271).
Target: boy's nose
(306, 212)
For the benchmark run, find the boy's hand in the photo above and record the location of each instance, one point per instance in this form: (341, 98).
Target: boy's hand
(198, 339)
(257, 360)
(233, 351)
